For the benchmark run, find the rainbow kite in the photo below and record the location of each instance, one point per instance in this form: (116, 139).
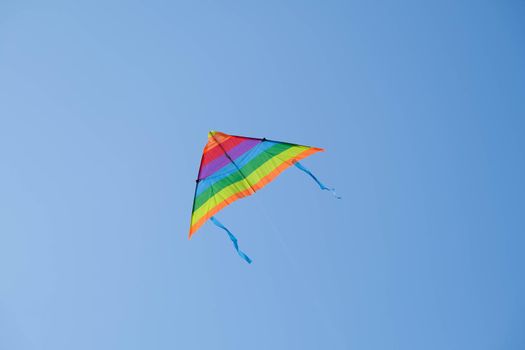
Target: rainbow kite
(233, 167)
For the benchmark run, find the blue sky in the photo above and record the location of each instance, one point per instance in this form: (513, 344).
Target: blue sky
(104, 111)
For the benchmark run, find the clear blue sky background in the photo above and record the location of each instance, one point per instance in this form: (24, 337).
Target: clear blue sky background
(104, 111)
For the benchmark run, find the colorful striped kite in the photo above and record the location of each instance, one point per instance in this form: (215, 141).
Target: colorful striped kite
(233, 167)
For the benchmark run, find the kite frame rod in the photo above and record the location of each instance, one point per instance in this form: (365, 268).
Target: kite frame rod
(231, 160)
(265, 139)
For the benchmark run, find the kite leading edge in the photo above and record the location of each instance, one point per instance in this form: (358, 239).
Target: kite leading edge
(233, 167)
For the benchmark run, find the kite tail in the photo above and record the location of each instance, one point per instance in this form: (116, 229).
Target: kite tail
(232, 237)
(323, 187)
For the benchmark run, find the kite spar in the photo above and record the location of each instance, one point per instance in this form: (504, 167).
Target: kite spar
(233, 167)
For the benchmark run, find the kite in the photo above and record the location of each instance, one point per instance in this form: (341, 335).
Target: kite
(234, 167)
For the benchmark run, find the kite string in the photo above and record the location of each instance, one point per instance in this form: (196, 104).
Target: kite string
(233, 239)
(321, 185)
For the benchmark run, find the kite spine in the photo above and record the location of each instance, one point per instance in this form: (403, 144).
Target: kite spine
(233, 162)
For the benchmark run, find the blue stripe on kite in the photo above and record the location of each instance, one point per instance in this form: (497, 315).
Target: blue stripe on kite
(231, 168)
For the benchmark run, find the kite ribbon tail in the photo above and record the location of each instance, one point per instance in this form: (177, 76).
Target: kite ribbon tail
(323, 187)
(233, 238)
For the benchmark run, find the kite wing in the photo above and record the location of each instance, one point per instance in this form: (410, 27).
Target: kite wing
(233, 167)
